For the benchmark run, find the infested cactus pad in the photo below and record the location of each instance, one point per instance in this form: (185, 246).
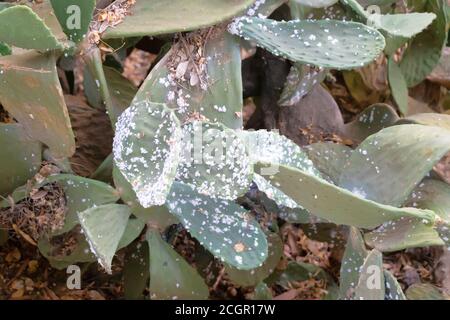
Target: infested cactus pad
(147, 149)
(223, 227)
(324, 43)
(214, 160)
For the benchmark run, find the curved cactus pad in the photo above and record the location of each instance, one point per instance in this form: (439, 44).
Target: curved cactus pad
(403, 234)
(103, 227)
(370, 121)
(81, 194)
(396, 158)
(214, 160)
(149, 18)
(254, 276)
(31, 92)
(21, 157)
(335, 204)
(23, 28)
(324, 43)
(409, 233)
(329, 158)
(171, 277)
(402, 25)
(223, 227)
(147, 150)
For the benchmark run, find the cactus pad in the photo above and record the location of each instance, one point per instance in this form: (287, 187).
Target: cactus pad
(150, 18)
(222, 226)
(325, 43)
(171, 277)
(147, 150)
(214, 160)
(103, 227)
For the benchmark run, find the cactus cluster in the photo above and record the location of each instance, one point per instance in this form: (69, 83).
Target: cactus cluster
(180, 154)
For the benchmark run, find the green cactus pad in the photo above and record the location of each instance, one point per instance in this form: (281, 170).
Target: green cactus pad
(31, 92)
(336, 204)
(223, 227)
(74, 16)
(132, 231)
(370, 121)
(136, 271)
(122, 91)
(424, 51)
(371, 283)
(103, 227)
(171, 277)
(396, 158)
(329, 158)
(432, 194)
(147, 150)
(409, 233)
(325, 43)
(219, 99)
(81, 194)
(398, 85)
(403, 234)
(150, 18)
(21, 157)
(393, 289)
(352, 261)
(21, 27)
(214, 160)
(404, 25)
(254, 276)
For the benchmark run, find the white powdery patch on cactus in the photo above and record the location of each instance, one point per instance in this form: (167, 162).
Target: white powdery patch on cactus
(146, 150)
(214, 161)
